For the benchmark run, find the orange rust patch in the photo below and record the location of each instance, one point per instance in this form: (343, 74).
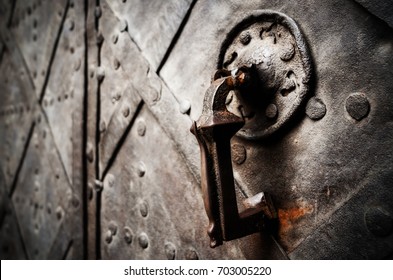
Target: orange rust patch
(288, 216)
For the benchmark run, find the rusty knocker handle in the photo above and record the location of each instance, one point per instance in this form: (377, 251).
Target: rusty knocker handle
(214, 130)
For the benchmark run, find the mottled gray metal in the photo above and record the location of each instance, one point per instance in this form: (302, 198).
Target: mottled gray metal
(103, 96)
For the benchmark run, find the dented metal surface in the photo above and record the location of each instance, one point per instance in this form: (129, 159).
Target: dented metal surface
(96, 157)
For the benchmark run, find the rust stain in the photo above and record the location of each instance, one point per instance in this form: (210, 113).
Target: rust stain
(288, 217)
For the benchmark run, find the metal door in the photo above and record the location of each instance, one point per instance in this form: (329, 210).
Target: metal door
(98, 97)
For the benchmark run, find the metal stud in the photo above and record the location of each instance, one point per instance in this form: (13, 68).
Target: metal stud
(108, 236)
(123, 25)
(128, 235)
(170, 251)
(141, 169)
(315, 109)
(143, 240)
(357, 106)
(271, 111)
(126, 111)
(239, 154)
(191, 254)
(102, 126)
(144, 209)
(116, 64)
(141, 128)
(245, 38)
(184, 106)
(100, 74)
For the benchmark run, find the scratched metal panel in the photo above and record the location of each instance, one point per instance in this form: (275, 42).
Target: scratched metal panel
(152, 24)
(336, 144)
(35, 26)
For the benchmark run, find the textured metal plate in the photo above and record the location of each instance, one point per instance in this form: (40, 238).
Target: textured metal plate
(147, 208)
(151, 25)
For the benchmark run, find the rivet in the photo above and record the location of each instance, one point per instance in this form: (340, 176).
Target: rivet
(184, 106)
(77, 64)
(35, 23)
(89, 152)
(123, 25)
(124, 1)
(100, 74)
(239, 153)
(49, 208)
(191, 254)
(100, 39)
(71, 25)
(126, 111)
(71, 4)
(102, 126)
(170, 251)
(271, 111)
(115, 38)
(128, 235)
(141, 169)
(144, 209)
(141, 128)
(34, 74)
(143, 240)
(59, 212)
(108, 236)
(378, 221)
(89, 191)
(97, 12)
(111, 180)
(116, 97)
(113, 228)
(98, 185)
(116, 64)
(75, 201)
(357, 106)
(315, 109)
(245, 38)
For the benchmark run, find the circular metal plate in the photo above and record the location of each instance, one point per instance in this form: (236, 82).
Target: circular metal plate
(272, 44)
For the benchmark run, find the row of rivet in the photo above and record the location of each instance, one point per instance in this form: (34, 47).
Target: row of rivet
(14, 110)
(49, 102)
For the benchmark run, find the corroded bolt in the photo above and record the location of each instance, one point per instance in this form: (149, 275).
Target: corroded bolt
(357, 106)
(170, 251)
(245, 38)
(126, 111)
(143, 240)
(239, 153)
(184, 106)
(141, 128)
(141, 169)
(144, 209)
(271, 111)
(315, 109)
(191, 254)
(128, 235)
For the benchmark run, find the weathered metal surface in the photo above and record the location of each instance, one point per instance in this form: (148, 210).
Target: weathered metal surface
(328, 170)
(144, 204)
(35, 27)
(153, 37)
(329, 152)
